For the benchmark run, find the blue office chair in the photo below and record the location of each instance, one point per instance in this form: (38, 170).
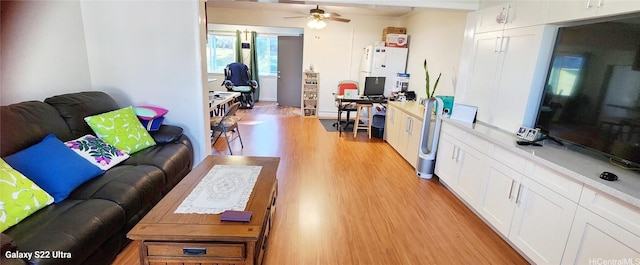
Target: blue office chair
(238, 79)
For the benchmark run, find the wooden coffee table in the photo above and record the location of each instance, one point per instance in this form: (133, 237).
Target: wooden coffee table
(166, 237)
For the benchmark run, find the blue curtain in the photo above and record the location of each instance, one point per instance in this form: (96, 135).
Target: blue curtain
(254, 64)
(238, 47)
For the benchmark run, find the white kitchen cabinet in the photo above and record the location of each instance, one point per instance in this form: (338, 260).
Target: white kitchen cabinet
(594, 239)
(461, 166)
(543, 210)
(525, 13)
(491, 16)
(413, 140)
(508, 74)
(564, 11)
(483, 76)
(473, 171)
(499, 15)
(403, 133)
(604, 228)
(447, 168)
(497, 200)
(409, 138)
(392, 126)
(541, 222)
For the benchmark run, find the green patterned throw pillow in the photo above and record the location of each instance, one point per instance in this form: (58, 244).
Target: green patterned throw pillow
(122, 129)
(20, 197)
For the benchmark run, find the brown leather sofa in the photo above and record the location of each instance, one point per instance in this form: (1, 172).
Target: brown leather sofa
(92, 223)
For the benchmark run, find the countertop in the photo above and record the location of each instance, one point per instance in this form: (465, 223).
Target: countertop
(582, 165)
(412, 108)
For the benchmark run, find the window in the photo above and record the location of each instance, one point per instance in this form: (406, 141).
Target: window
(220, 52)
(267, 47)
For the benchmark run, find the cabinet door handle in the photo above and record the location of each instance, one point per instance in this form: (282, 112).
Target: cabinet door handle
(589, 4)
(506, 16)
(519, 194)
(513, 181)
(502, 44)
(410, 120)
(599, 3)
(453, 154)
(458, 156)
(495, 46)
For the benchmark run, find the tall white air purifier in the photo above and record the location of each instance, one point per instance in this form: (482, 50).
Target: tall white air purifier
(429, 138)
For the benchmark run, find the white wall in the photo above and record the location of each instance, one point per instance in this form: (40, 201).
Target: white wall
(437, 36)
(42, 50)
(149, 53)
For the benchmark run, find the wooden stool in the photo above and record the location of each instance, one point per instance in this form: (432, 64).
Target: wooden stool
(356, 123)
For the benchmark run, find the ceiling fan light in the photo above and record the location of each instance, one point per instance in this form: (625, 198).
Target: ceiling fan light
(316, 24)
(312, 23)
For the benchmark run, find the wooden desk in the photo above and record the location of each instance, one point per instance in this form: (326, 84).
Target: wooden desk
(167, 237)
(342, 101)
(218, 101)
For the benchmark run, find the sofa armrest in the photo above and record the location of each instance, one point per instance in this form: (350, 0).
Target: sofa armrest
(8, 244)
(166, 134)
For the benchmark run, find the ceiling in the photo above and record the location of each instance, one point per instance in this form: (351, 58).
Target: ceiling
(346, 7)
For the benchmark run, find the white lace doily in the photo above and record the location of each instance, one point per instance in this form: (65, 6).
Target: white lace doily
(225, 187)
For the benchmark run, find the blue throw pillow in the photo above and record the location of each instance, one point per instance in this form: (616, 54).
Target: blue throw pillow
(53, 166)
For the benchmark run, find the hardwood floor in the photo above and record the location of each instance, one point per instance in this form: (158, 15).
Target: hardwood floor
(355, 201)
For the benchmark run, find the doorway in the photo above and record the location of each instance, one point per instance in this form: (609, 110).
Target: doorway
(289, 79)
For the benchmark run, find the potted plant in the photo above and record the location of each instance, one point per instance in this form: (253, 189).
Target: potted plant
(430, 92)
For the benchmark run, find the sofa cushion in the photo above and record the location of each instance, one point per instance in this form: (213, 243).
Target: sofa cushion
(53, 166)
(24, 124)
(134, 188)
(74, 107)
(20, 197)
(97, 151)
(173, 159)
(122, 129)
(78, 227)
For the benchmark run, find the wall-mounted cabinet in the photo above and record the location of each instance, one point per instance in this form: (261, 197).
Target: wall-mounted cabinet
(310, 85)
(562, 10)
(500, 15)
(508, 74)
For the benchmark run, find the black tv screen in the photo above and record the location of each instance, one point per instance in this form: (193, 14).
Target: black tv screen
(592, 92)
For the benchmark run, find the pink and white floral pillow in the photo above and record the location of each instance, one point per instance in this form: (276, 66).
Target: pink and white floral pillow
(97, 151)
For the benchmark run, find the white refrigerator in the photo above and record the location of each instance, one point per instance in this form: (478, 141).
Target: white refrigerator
(379, 61)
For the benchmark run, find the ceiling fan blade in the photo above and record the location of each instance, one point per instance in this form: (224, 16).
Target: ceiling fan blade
(297, 17)
(331, 15)
(339, 19)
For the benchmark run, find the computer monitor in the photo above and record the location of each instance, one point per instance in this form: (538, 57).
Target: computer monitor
(374, 86)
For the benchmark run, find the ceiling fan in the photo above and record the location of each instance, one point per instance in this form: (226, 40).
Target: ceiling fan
(317, 16)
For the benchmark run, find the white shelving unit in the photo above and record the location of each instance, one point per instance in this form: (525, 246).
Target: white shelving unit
(310, 84)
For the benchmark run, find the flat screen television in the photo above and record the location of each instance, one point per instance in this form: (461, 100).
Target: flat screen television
(592, 93)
